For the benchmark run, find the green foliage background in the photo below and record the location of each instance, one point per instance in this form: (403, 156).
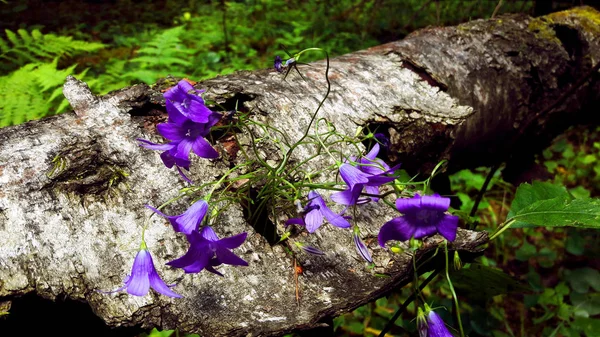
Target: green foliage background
(190, 39)
(119, 44)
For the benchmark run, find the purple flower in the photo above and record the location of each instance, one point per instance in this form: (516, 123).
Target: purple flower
(189, 220)
(189, 122)
(180, 99)
(361, 248)
(383, 140)
(423, 216)
(370, 173)
(313, 213)
(309, 249)
(277, 64)
(208, 251)
(432, 325)
(143, 276)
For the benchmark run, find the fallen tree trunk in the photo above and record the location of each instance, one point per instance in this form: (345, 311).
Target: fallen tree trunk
(72, 187)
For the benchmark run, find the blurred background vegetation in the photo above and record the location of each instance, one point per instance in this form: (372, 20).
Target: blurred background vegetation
(113, 44)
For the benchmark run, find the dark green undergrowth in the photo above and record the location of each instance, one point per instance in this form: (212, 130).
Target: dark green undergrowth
(197, 40)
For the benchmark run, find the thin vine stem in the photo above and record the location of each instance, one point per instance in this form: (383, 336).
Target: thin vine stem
(406, 302)
(454, 297)
(314, 116)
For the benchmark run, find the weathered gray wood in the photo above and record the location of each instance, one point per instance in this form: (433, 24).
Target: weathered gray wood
(71, 227)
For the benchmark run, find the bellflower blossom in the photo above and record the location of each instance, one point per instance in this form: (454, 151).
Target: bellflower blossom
(309, 249)
(431, 324)
(313, 214)
(143, 276)
(278, 64)
(208, 251)
(423, 216)
(190, 106)
(189, 122)
(189, 220)
(370, 173)
(361, 248)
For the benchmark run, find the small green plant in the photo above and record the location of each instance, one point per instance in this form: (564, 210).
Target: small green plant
(160, 57)
(33, 91)
(26, 47)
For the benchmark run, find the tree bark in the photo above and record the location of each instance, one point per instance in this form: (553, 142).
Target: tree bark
(73, 187)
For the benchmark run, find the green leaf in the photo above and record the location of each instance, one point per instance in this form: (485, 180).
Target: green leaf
(583, 278)
(580, 192)
(526, 251)
(528, 194)
(479, 282)
(575, 243)
(164, 333)
(590, 326)
(545, 204)
(590, 302)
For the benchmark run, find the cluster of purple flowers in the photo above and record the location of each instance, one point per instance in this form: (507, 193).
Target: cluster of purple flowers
(422, 215)
(188, 123)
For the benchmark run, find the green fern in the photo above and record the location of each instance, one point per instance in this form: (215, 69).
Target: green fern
(160, 57)
(23, 47)
(33, 91)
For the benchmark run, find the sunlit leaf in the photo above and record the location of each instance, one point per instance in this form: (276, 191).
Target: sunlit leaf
(546, 204)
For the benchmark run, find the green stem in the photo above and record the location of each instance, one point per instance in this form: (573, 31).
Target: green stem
(504, 226)
(291, 149)
(412, 297)
(454, 297)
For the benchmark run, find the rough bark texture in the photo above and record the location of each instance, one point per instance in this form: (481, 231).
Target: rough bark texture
(72, 187)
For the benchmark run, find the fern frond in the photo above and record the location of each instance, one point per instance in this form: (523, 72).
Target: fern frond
(36, 47)
(31, 92)
(164, 54)
(20, 100)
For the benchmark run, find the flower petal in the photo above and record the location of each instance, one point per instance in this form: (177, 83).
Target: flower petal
(198, 112)
(361, 248)
(408, 206)
(372, 190)
(184, 176)
(435, 202)
(353, 175)
(159, 285)
(313, 220)
(138, 283)
(203, 149)
(167, 159)
(179, 91)
(213, 270)
(333, 218)
(295, 221)
(312, 250)
(424, 229)
(347, 197)
(435, 326)
(209, 234)
(233, 241)
(171, 131)
(225, 256)
(155, 210)
(175, 116)
(396, 229)
(199, 264)
(183, 149)
(153, 146)
(191, 218)
(373, 153)
(447, 227)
